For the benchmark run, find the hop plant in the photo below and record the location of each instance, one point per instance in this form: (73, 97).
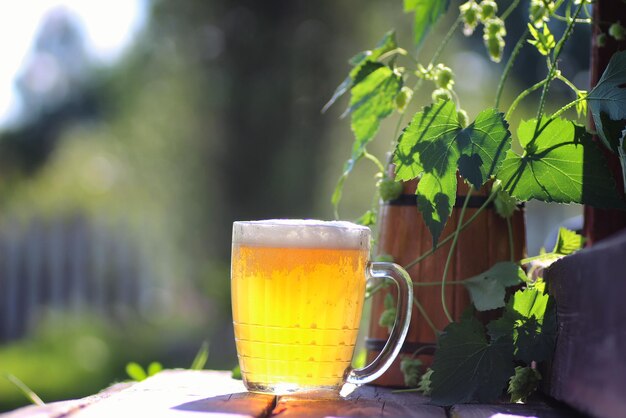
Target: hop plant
(441, 94)
(412, 371)
(540, 11)
(403, 98)
(495, 47)
(444, 77)
(601, 40)
(488, 9)
(470, 12)
(425, 385)
(388, 317)
(493, 36)
(389, 189)
(523, 383)
(425, 72)
(617, 31)
(462, 116)
(494, 27)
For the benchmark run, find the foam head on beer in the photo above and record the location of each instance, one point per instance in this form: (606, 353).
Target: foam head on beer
(301, 233)
(297, 291)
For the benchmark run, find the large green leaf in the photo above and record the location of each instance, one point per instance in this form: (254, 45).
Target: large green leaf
(361, 63)
(530, 318)
(435, 145)
(559, 164)
(607, 101)
(372, 100)
(427, 12)
(484, 143)
(488, 289)
(536, 328)
(469, 368)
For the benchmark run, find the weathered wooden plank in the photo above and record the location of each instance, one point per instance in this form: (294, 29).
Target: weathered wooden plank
(183, 394)
(169, 394)
(539, 410)
(64, 408)
(589, 366)
(365, 401)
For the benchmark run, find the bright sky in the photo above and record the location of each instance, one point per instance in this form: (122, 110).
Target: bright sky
(109, 26)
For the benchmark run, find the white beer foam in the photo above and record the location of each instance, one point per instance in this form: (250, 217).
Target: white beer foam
(301, 233)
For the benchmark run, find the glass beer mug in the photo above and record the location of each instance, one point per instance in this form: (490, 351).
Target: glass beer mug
(298, 288)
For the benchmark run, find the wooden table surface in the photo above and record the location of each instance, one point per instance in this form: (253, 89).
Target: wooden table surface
(200, 394)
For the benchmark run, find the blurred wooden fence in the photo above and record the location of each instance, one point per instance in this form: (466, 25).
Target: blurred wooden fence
(66, 264)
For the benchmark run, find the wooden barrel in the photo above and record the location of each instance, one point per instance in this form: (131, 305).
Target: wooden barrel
(404, 235)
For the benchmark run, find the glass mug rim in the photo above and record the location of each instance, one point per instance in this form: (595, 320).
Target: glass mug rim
(311, 234)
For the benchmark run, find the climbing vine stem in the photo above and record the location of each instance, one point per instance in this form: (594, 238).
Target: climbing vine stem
(455, 238)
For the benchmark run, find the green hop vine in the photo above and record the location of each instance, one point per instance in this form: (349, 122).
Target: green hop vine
(550, 157)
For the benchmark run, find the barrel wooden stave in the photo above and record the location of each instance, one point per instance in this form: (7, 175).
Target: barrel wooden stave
(404, 235)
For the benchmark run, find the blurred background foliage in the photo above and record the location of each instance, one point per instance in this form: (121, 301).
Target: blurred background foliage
(119, 180)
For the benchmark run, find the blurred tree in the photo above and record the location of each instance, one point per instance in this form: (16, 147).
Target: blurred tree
(268, 68)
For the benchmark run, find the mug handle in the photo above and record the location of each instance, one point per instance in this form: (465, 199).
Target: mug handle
(400, 327)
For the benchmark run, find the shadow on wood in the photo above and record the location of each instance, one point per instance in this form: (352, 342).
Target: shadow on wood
(243, 403)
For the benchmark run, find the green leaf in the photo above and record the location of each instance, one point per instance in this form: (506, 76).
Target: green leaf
(364, 70)
(372, 100)
(561, 164)
(488, 289)
(339, 91)
(154, 368)
(385, 258)
(607, 101)
(484, 145)
(136, 372)
(568, 242)
(469, 368)
(347, 169)
(367, 219)
(505, 204)
(435, 144)
(201, 358)
(530, 318)
(425, 384)
(523, 383)
(411, 369)
(543, 41)
(388, 318)
(427, 12)
(435, 198)
(536, 329)
(388, 302)
(363, 63)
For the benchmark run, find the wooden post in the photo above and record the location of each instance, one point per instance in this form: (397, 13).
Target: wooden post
(601, 223)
